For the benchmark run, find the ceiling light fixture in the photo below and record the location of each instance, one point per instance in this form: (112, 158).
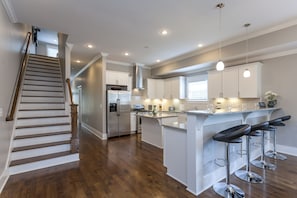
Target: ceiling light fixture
(78, 61)
(158, 60)
(90, 46)
(126, 54)
(164, 32)
(200, 45)
(247, 73)
(220, 64)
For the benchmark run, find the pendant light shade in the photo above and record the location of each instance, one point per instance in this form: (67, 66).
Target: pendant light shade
(220, 64)
(246, 73)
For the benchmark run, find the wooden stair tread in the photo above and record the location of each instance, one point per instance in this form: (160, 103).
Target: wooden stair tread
(42, 85)
(41, 135)
(42, 90)
(53, 116)
(24, 148)
(36, 102)
(39, 96)
(42, 125)
(41, 109)
(39, 158)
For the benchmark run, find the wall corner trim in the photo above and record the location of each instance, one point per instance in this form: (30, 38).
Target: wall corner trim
(10, 11)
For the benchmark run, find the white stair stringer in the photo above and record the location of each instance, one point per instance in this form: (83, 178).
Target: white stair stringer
(43, 164)
(17, 155)
(42, 134)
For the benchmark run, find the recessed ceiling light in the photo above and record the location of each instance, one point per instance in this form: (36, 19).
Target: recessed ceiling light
(126, 54)
(55, 40)
(158, 60)
(78, 61)
(200, 45)
(90, 46)
(164, 32)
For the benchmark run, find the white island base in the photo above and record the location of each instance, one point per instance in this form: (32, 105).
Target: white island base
(152, 130)
(190, 153)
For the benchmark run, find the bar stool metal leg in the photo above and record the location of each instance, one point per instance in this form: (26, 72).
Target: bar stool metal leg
(248, 175)
(227, 189)
(273, 154)
(262, 163)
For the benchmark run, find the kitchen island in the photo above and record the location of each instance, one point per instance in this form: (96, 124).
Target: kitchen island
(192, 157)
(151, 127)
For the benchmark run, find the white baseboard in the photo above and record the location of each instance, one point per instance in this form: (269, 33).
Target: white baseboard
(99, 134)
(3, 179)
(286, 149)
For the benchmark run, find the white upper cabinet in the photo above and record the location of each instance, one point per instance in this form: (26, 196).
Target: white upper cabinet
(117, 78)
(155, 88)
(215, 84)
(231, 84)
(250, 87)
(174, 88)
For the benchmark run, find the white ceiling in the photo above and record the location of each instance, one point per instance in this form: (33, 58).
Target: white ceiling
(116, 26)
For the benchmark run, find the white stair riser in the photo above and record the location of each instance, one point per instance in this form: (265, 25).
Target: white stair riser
(53, 67)
(43, 61)
(41, 121)
(40, 140)
(42, 130)
(41, 74)
(40, 113)
(39, 152)
(43, 70)
(41, 106)
(43, 164)
(40, 78)
(42, 88)
(42, 93)
(37, 82)
(41, 99)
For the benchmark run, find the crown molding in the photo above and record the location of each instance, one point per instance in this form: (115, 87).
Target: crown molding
(10, 11)
(119, 63)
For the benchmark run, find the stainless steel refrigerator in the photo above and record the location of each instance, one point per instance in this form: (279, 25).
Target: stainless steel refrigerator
(118, 113)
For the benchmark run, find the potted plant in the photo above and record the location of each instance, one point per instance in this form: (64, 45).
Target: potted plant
(270, 97)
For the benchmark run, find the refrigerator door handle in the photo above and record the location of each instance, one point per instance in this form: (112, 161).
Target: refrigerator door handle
(118, 107)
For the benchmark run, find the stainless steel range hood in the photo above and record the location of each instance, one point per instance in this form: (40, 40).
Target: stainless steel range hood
(137, 77)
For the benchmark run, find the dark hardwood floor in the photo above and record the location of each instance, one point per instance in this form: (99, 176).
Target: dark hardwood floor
(127, 167)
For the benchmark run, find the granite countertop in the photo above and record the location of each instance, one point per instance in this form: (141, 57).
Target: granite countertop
(177, 125)
(222, 111)
(157, 116)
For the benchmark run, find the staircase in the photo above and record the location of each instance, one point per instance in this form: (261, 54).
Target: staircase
(42, 136)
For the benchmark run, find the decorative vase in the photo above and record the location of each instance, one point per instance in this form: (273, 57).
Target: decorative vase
(271, 103)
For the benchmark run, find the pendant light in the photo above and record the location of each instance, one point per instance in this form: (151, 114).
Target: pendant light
(220, 64)
(247, 73)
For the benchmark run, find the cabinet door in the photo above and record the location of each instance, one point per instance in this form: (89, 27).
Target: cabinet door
(167, 88)
(230, 82)
(151, 88)
(159, 88)
(250, 87)
(133, 121)
(215, 84)
(117, 78)
(123, 78)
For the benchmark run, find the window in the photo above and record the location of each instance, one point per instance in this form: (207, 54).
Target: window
(197, 88)
(52, 51)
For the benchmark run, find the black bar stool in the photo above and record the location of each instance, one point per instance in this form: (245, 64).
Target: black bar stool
(248, 175)
(273, 154)
(231, 135)
(262, 163)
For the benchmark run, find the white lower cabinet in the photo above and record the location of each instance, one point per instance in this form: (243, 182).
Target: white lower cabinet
(133, 122)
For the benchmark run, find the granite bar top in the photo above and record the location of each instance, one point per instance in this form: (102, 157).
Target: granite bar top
(157, 116)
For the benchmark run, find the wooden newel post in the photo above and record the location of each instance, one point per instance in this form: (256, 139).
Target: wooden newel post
(74, 138)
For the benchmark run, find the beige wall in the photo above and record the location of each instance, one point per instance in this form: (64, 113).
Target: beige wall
(279, 75)
(12, 38)
(92, 82)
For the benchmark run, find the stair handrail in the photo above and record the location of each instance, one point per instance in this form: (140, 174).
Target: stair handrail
(70, 91)
(74, 133)
(17, 87)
